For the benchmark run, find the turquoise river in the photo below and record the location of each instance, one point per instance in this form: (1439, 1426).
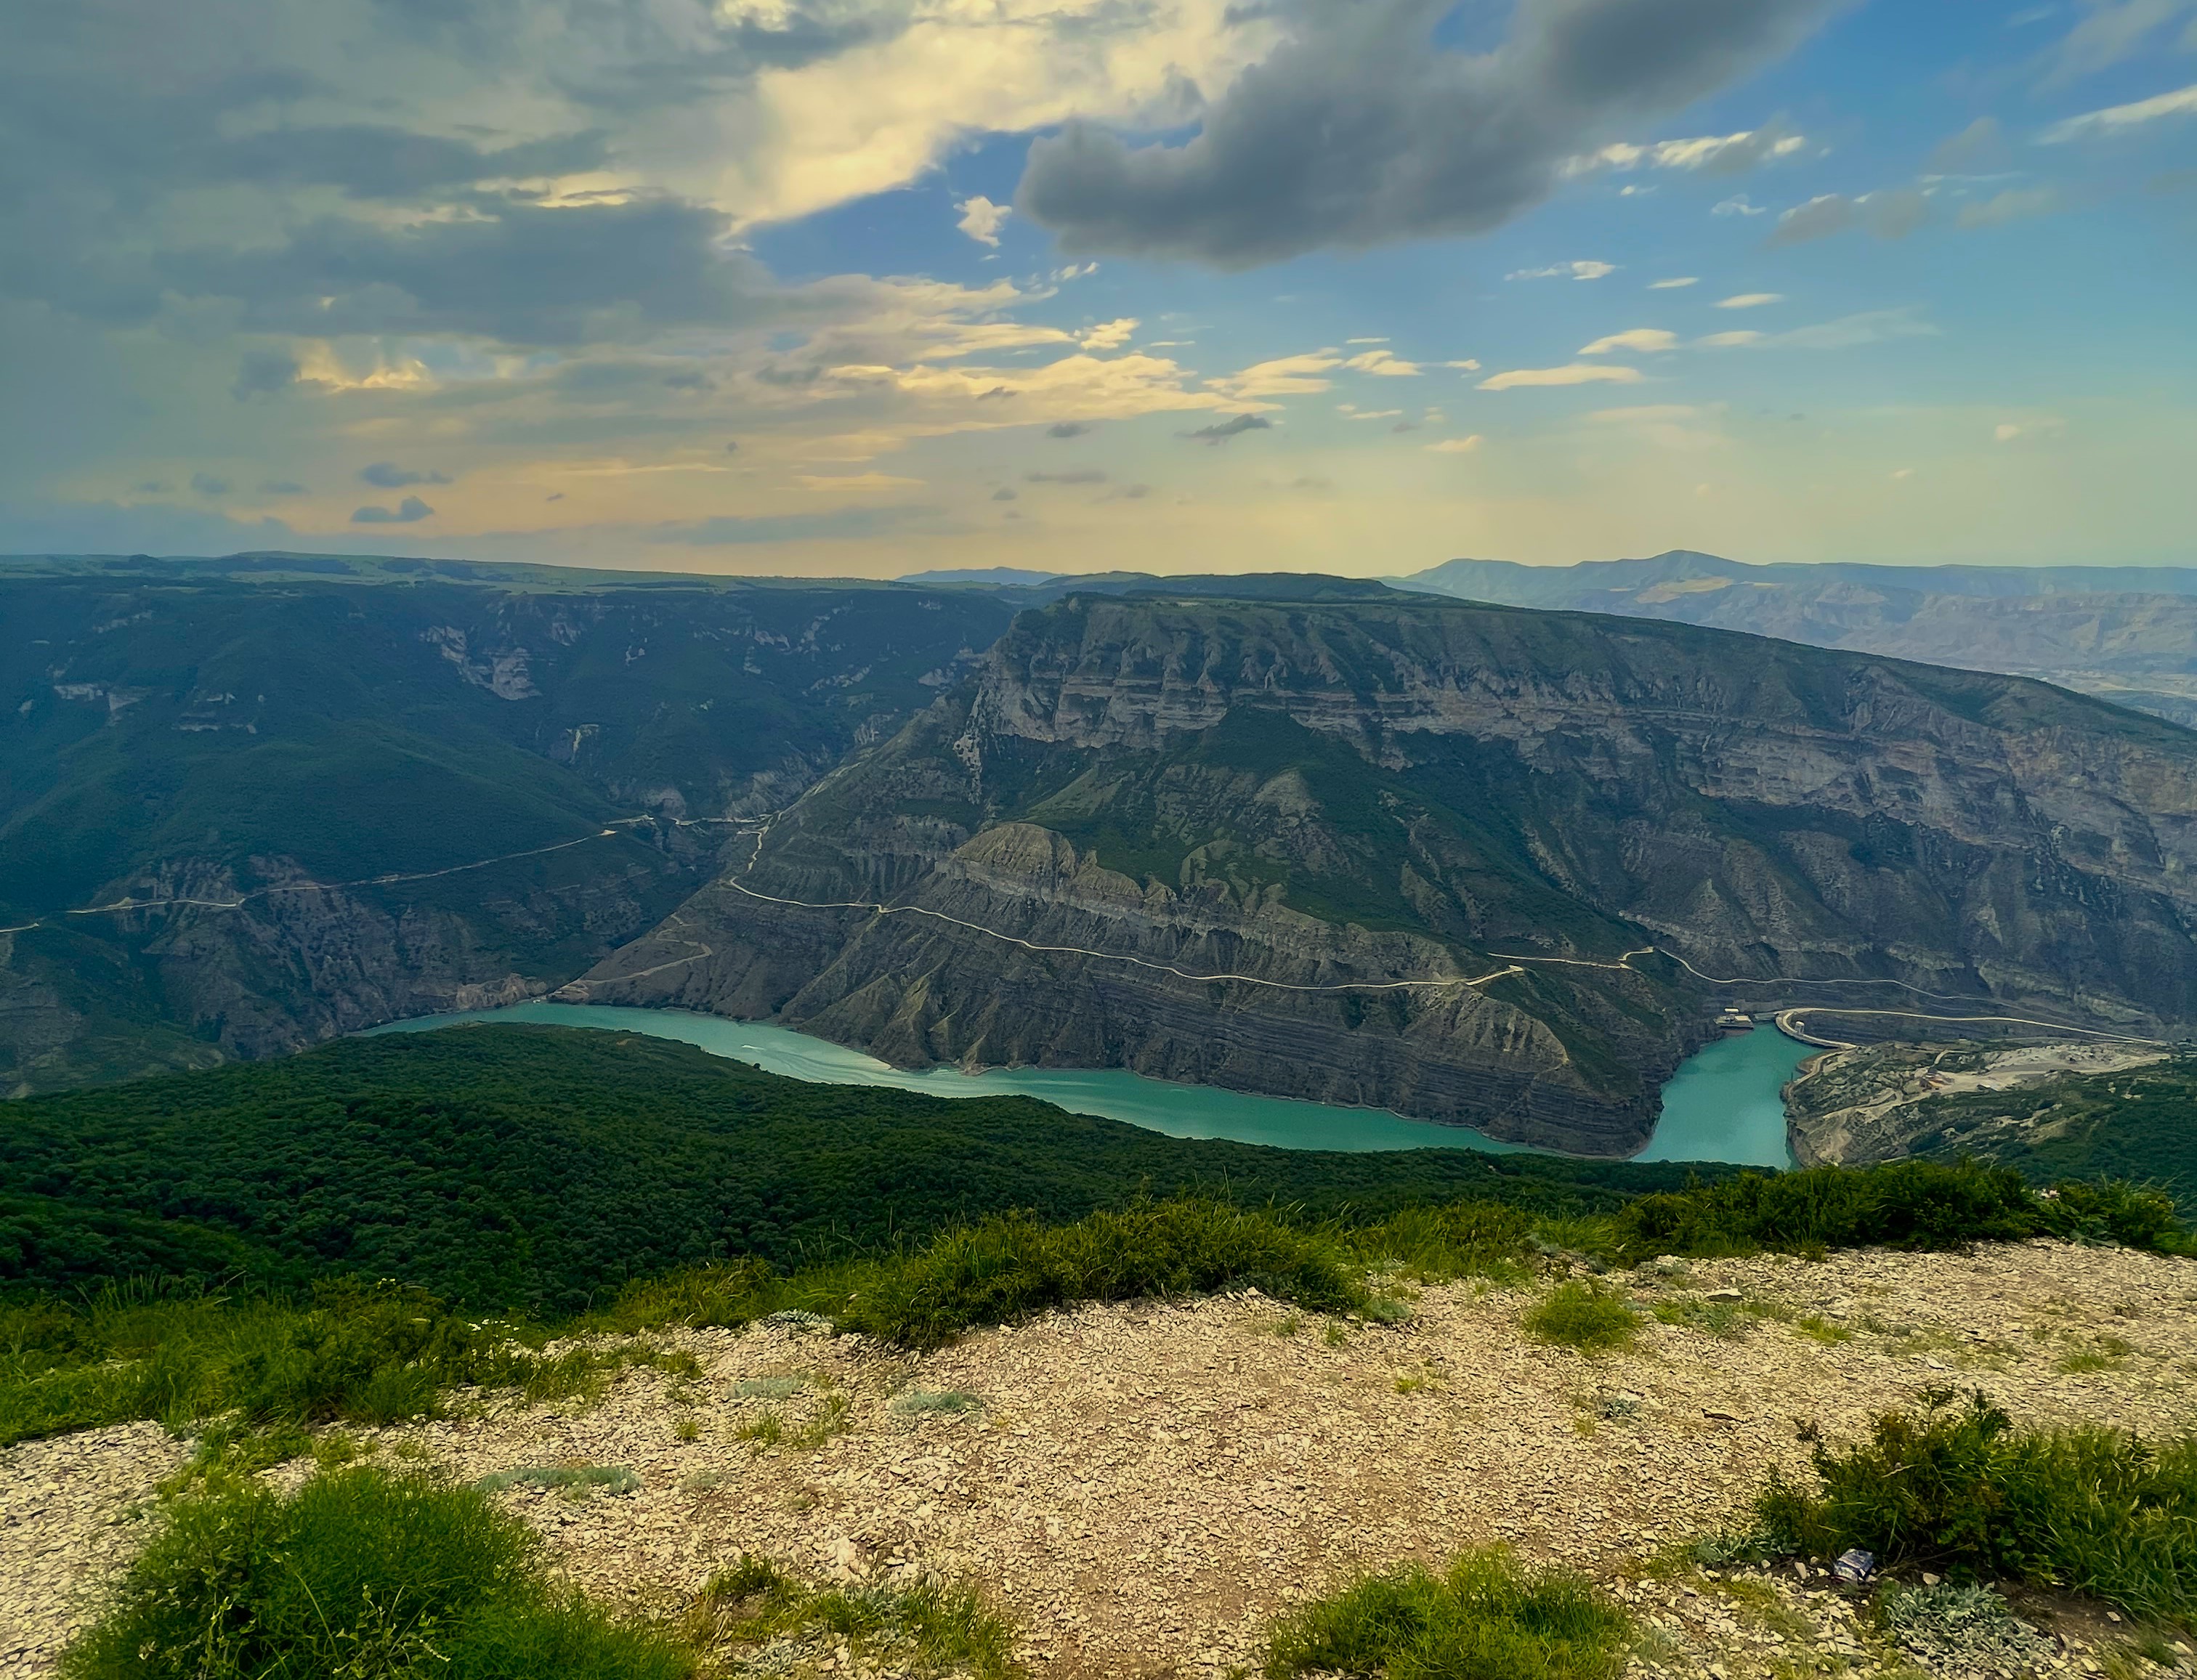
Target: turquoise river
(1722, 1103)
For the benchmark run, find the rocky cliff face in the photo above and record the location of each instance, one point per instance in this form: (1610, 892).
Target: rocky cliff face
(1140, 796)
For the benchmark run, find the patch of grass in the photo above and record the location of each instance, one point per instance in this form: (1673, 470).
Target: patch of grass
(688, 1429)
(2109, 1353)
(1957, 1487)
(361, 1573)
(1591, 1317)
(1816, 1328)
(1727, 1319)
(1484, 1616)
(925, 1628)
(1006, 1269)
(830, 1419)
(766, 1429)
(1961, 1628)
(1334, 1335)
(1901, 1204)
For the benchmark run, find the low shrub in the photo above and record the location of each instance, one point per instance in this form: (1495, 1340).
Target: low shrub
(1904, 1204)
(928, 1627)
(360, 1574)
(1957, 1487)
(1004, 1269)
(1484, 1617)
(1588, 1316)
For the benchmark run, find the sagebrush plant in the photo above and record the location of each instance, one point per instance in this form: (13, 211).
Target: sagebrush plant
(1580, 1313)
(361, 1573)
(1957, 1487)
(1485, 1617)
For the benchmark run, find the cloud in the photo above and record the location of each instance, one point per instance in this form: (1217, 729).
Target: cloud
(205, 483)
(2119, 118)
(1006, 493)
(1220, 432)
(1469, 365)
(2005, 432)
(1066, 429)
(1647, 413)
(1893, 213)
(1648, 341)
(1283, 376)
(689, 379)
(2116, 30)
(388, 475)
(1381, 362)
(1674, 283)
(264, 373)
(738, 531)
(1454, 446)
(410, 512)
(1358, 130)
(1075, 475)
(1750, 300)
(1738, 205)
(1110, 335)
(280, 487)
(982, 219)
(1978, 148)
(2015, 204)
(1709, 154)
(1849, 332)
(1588, 271)
(1372, 414)
(1577, 372)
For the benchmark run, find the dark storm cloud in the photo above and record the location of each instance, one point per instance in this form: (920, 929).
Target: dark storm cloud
(1066, 429)
(206, 484)
(386, 475)
(515, 270)
(1358, 131)
(1221, 430)
(408, 511)
(373, 162)
(264, 373)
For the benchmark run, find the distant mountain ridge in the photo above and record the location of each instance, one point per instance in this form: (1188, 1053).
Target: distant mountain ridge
(2124, 634)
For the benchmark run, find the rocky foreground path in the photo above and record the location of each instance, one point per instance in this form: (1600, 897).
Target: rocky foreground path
(1145, 1487)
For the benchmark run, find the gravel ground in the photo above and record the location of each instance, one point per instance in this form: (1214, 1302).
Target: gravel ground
(1145, 1487)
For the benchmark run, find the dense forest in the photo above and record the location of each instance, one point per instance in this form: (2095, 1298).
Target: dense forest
(541, 1167)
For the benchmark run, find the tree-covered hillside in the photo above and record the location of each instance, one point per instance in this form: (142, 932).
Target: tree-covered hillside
(2139, 1125)
(225, 735)
(540, 1167)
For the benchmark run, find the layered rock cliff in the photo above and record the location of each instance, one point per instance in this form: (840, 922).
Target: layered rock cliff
(1140, 794)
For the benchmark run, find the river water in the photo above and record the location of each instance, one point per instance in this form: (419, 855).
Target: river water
(1723, 1104)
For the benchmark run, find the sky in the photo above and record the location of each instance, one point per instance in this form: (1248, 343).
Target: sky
(862, 287)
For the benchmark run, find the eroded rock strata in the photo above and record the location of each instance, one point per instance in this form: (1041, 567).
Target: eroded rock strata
(1136, 793)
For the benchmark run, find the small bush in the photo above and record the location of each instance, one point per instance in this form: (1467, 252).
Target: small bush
(769, 1387)
(2095, 1511)
(360, 1574)
(1482, 1618)
(933, 1628)
(1587, 1316)
(1004, 1269)
(1904, 1204)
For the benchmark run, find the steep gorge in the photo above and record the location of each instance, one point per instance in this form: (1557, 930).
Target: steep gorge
(1496, 807)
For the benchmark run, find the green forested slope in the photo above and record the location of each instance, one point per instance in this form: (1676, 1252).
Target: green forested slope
(540, 1167)
(2139, 1125)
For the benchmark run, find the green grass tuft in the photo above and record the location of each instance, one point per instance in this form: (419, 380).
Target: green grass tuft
(361, 1573)
(930, 1628)
(1588, 1316)
(1957, 1487)
(1484, 1617)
